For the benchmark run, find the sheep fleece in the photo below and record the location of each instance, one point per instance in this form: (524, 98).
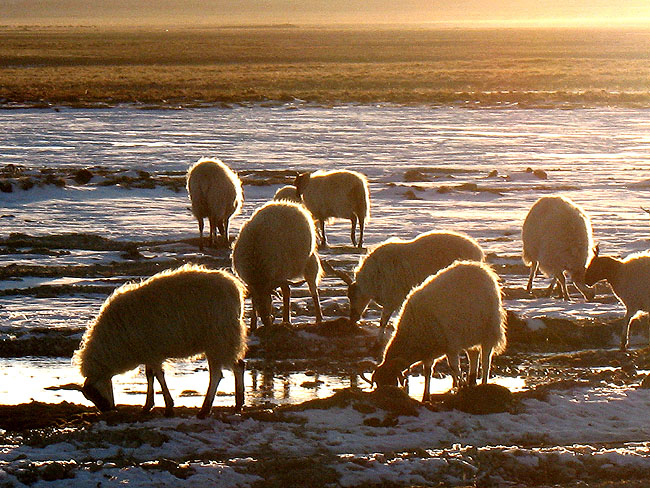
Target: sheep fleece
(176, 313)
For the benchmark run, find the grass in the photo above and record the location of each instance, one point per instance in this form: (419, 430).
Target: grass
(94, 66)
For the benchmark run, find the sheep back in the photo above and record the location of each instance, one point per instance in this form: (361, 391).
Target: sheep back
(557, 234)
(287, 192)
(214, 190)
(274, 245)
(174, 314)
(335, 194)
(456, 309)
(394, 267)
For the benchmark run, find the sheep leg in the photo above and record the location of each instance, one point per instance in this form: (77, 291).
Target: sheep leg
(549, 290)
(531, 276)
(213, 231)
(169, 401)
(353, 235)
(148, 404)
(428, 369)
(453, 359)
(311, 274)
(215, 377)
(486, 364)
(563, 288)
(286, 303)
(383, 322)
(222, 230)
(625, 333)
(226, 225)
(314, 295)
(253, 325)
(238, 370)
(473, 354)
(322, 233)
(361, 222)
(200, 234)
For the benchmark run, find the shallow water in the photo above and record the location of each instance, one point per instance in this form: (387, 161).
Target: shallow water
(23, 380)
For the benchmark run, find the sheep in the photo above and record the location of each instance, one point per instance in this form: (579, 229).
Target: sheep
(630, 281)
(287, 192)
(336, 194)
(389, 272)
(277, 244)
(215, 192)
(173, 314)
(459, 308)
(557, 237)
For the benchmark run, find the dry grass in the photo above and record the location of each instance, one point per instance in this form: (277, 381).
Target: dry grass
(91, 66)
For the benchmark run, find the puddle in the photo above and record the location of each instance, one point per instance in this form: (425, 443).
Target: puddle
(23, 380)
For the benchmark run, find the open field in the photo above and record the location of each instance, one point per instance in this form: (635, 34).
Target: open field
(95, 67)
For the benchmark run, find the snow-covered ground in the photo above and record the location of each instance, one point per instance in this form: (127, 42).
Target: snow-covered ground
(442, 157)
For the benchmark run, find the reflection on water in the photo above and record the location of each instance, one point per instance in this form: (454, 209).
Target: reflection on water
(25, 379)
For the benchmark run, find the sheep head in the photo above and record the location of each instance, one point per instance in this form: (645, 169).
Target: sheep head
(262, 303)
(358, 302)
(600, 268)
(301, 181)
(389, 373)
(100, 392)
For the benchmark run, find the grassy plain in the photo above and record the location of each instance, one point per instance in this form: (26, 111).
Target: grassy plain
(95, 66)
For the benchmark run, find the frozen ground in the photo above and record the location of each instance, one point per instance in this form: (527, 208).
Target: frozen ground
(428, 169)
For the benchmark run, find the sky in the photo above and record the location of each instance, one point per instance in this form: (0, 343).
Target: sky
(601, 13)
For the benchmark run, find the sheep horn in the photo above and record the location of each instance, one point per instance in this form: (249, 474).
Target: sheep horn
(366, 379)
(330, 270)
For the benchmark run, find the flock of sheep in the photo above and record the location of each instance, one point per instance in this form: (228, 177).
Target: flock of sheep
(450, 300)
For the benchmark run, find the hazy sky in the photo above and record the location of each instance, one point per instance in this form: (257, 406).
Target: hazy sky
(547, 12)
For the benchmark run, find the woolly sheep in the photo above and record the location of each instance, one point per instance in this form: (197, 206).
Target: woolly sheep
(389, 272)
(215, 192)
(287, 192)
(457, 309)
(630, 281)
(336, 194)
(557, 237)
(277, 244)
(174, 314)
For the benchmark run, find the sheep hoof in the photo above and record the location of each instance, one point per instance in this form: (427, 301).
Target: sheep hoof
(169, 412)
(202, 415)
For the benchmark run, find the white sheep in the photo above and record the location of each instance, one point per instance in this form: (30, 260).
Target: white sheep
(216, 194)
(630, 281)
(457, 309)
(287, 192)
(276, 245)
(174, 314)
(557, 237)
(389, 272)
(336, 194)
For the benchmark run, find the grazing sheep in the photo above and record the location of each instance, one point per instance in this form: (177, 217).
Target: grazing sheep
(556, 238)
(389, 272)
(276, 245)
(287, 192)
(174, 314)
(630, 281)
(336, 194)
(215, 192)
(457, 309)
